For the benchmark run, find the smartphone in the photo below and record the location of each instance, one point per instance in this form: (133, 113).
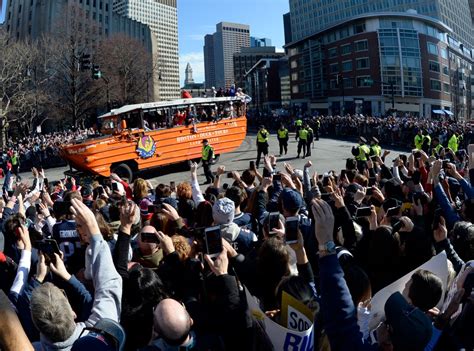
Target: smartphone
(291, 229)
(277, 177)
(230, 175)
(394, 211)
(252, 165)
(114, 186)
(123, 201)
(445, 164)
(213, 240)
(273, 221)
(266, 173)
(372, 181)
(343, 173)
(38, 208)
(397, 226)
(369, 192)
(373, 158)
(417, 154)
(363, 212)
(10, 193)
(100, 190)
(173, 185)
(49, 247)
(149, 238)
(62, 208)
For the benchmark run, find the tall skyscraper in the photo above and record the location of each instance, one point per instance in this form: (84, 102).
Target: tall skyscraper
(34, 18)
(209, 66)
(228, 39)
(287, 27)
(308, 17)
(188, 75)
(260, 42)
(471, 5)
(162, 17)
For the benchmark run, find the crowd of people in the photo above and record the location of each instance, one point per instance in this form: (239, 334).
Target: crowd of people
(42, 150)
(122, 265)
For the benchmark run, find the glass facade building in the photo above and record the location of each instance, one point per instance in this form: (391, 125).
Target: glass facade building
(310, 16)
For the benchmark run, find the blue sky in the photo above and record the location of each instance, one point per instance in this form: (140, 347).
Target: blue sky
(196, 18)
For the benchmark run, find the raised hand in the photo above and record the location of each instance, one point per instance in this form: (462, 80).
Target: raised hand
(440, 233)
(127, 217)
(324, 220)
(85, 219)
(166, 243)
(220, 265)
(59, 268)
(170, 212)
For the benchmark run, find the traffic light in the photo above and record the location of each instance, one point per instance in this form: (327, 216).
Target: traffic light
(96, 73)
(85, 62)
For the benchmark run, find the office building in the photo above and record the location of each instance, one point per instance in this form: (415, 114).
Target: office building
(259, 42)
(209, 66)
(310, 16)
(268, 83)
(228, 39)
(162, 18)
(372, 63)
(287, 27)
(248, 57)
(471, 6)
(32, 19)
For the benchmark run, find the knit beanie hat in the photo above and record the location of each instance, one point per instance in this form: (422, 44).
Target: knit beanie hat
(223, 211)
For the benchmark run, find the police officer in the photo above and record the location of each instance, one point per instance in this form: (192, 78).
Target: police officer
(283, 139)
(262, 143)
(453, 142)
(207, 160)
(375, 149)
(426, 141)
(309, 141)
(298, 125)
(361, 152)
(436, 147)
(317, 126)
(419, 140)
(303, 140)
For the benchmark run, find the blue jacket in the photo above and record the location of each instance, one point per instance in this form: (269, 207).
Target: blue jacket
(449, 212)
(339, 312)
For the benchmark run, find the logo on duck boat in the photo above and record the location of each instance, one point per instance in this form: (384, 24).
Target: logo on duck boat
(146, 147)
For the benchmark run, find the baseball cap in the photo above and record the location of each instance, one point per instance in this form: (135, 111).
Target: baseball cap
(106, 335)
(411, 328)
(205, 141)
(375, 140)
(364, 140)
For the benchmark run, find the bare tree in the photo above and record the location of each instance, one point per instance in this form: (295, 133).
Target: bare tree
(14, 81)
(127, 66)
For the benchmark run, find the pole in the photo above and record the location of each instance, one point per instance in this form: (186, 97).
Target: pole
(147, 87)
(343, 95)
(393, 95)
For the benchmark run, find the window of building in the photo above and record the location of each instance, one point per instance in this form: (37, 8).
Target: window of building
(94, 3)
(435, 84)
(106, 6)
(434, 66)
(362, 63)
(332, 52)
(100, 17)
(106, 19)
(432, 48)
(348, 83)
(361, 45)
(294, 76)
(446, 70)
(347, 66)
(94, 15)
(346, 49)
(359, 28)
(294, 64)
(332, 84)
(362, 82)
(19, 9)
(444, 53)
(446, 88)
(333, 68)
(295, 89)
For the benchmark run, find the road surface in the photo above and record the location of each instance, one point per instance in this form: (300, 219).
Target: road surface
(327, 154)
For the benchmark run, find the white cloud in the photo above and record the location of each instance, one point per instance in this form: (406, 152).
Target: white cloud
(196, 60)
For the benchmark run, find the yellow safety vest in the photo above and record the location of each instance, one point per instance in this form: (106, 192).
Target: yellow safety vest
(205, 152)
(262, 136)
(377, 150)
(427, 137)
(14, 160)
(436, 150)
(299, 123)
(418, 142)
(363, 152)
(453, 143)
(282, 133)
(303, 134)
